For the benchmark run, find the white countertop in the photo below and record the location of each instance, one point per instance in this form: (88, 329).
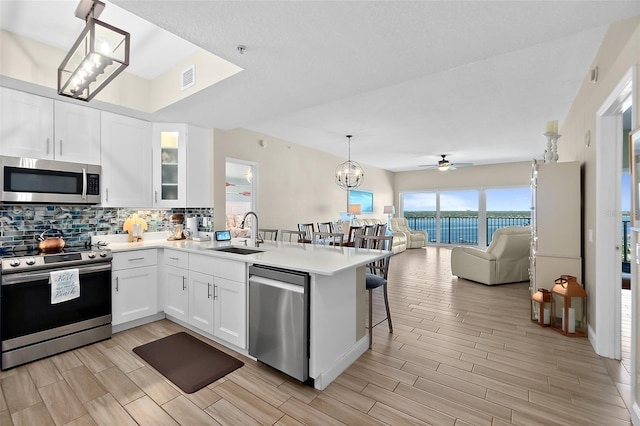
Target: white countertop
(315, 259)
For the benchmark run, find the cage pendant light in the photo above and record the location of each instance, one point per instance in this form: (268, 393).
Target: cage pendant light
(349, 175)
(99, 54)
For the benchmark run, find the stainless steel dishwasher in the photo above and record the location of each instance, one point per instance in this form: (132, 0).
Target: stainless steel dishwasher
(279, 319)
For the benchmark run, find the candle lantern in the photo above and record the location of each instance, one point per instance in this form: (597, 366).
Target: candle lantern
(543, 300)
(574, 307)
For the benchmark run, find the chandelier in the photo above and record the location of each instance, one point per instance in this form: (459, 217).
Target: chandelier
(99, 54)
(349, 175)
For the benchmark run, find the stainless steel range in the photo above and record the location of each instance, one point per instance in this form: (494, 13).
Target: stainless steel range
(33, 324)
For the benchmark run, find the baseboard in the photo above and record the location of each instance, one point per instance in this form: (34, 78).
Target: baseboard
(138, 322)
(326, 377)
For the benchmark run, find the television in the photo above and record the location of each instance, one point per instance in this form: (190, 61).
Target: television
(364, 198)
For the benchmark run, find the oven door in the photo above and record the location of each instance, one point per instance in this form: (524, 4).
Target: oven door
(27, 315)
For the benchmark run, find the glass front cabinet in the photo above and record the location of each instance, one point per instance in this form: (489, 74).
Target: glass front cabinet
(169, 165)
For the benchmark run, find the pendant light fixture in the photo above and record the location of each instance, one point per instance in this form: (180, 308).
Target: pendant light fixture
(100, 53)
(349, 175)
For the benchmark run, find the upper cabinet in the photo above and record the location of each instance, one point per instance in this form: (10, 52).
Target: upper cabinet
(181, 153)
(77, 133)
(169, 165)
(37, 127)
(126, 161)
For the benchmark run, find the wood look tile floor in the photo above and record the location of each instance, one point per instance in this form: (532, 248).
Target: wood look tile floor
(461, 354)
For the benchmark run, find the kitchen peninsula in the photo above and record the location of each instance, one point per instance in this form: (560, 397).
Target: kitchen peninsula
(337, 295)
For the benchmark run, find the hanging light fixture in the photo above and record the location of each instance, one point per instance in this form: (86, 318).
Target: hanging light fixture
(349, 175)
(99, 54)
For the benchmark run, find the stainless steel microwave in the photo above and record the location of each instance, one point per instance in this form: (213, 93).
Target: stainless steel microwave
(30, 180)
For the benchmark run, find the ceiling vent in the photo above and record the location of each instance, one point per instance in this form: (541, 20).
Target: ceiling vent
(189, 77)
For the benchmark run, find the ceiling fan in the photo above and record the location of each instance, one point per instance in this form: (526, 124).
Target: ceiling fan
(444, 164)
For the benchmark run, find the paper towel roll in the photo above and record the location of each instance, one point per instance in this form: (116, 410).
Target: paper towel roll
(192, 225)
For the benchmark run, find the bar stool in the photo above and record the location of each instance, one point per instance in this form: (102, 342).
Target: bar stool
(378, 275)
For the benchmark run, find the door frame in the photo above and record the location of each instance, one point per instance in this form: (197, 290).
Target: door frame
(606, 337)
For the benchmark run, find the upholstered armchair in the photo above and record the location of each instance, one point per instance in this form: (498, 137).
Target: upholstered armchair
(415, 239)
(506, 260)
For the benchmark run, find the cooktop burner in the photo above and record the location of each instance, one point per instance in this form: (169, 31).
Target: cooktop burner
(26, 260)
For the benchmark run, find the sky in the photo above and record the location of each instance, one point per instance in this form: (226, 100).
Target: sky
(512, 199)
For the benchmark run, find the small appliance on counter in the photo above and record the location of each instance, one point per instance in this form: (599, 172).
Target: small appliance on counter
(177, 227)
(192, 226)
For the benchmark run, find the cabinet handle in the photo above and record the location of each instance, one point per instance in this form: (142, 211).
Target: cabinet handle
(174, 258)
(133, 259)
(156, 195)
(48, 142)
(117, 283)
(184, 287)
(106, 194)
(215, 293)
(60, 147)
(208, 290)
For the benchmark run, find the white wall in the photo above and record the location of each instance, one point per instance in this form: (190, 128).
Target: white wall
(619, 51)
(295, 183)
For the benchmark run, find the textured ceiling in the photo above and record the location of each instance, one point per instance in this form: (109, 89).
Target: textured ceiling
(410, 80)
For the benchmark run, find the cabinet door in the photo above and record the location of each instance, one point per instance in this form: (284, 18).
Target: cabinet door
(169, 165)
(77, 133)
(26, 125)
(230, 312)
(134, 294)
(199, 167)
(177, 293)
(201, 301)
(126, 161)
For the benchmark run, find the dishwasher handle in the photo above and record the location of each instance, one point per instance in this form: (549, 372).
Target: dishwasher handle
(274, 283)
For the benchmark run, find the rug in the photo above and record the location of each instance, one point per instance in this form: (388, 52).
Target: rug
(187, 361)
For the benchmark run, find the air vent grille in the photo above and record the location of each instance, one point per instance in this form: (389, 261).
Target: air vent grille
(189, 77)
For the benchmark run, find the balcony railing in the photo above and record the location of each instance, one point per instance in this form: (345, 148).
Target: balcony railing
(463, 229)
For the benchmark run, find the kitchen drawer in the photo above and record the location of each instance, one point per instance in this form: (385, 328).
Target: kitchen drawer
(134, 259)
(224, 268)
(179, 259)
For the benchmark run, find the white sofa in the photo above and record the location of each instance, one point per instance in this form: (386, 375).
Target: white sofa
(233, 223)
(506, 260)
(415, 238)
(399, 243)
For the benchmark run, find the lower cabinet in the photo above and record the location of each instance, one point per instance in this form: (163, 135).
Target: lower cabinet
(134, 288)
(177, 293)
(208, 293)
(201, 294)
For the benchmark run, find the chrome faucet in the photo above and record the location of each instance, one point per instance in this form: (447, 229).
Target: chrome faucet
(255, 236)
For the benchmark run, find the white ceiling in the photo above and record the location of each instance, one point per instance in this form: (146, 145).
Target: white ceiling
(409, 79)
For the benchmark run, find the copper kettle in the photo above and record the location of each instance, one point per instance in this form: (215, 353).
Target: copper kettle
(51, 239)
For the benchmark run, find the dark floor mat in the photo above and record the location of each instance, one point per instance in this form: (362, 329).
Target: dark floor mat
(187, 361)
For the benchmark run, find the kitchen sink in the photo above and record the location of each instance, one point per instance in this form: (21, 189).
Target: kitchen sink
(236, 250)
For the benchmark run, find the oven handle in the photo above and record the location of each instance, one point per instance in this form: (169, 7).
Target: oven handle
(26, 277)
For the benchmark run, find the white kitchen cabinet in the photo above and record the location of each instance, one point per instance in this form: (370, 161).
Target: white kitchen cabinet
(134, 285)
(26, 125)
(37, 127)
(182, 172)
(201, 292)
(126, 161)
(199, 170)
(77, 133)
(223, 310)
(176, 274)
(169, 164)
(229, 310)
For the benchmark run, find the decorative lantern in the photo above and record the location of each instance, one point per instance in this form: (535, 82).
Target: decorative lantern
(574, 306)
(545, 307)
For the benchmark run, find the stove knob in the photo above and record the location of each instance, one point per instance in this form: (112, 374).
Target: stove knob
(14, 262)
(103, 254)
(91, 254)
(31, 261)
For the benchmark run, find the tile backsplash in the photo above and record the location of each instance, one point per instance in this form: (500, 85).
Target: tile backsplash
(21, 224)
